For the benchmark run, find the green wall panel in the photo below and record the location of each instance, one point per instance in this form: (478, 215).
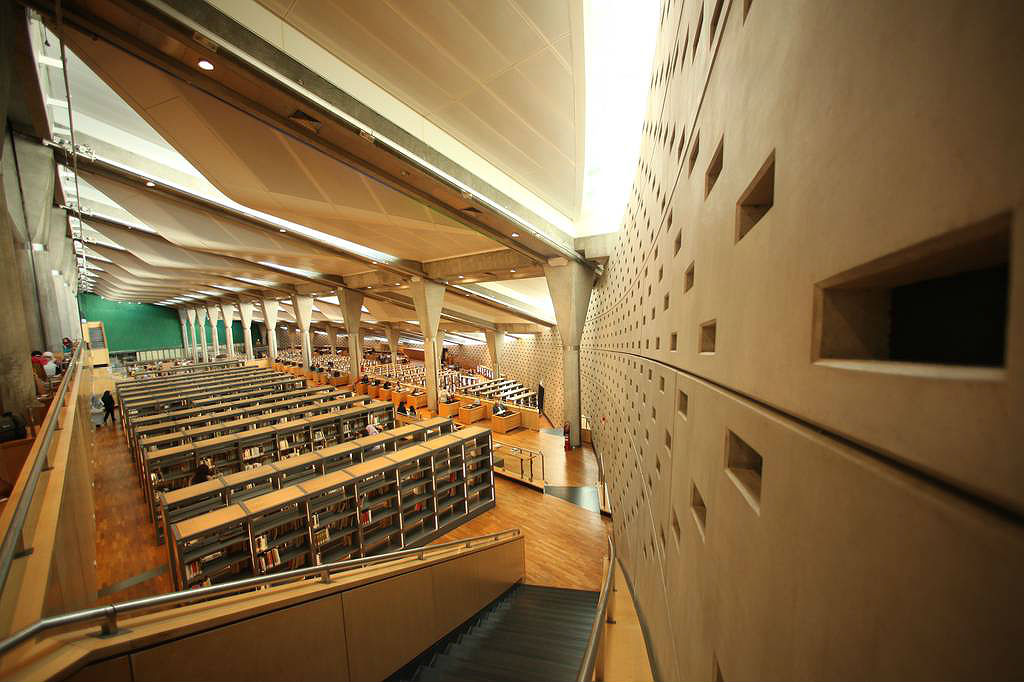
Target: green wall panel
(140, 326)
(133, 326)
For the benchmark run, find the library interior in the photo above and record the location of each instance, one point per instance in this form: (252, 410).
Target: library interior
(379, 340)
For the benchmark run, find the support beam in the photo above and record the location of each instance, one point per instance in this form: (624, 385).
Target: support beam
(495, 345)
(429, 298)
(201, 314)
(303, 307)
(245, 312)
(570, 285)
(191, 313)
(270, 307)
(352, 312)
(183, 316)
(214, 312)
(392, 332)
(227, 310)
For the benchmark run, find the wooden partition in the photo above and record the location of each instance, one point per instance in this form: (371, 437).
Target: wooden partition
(364, 625)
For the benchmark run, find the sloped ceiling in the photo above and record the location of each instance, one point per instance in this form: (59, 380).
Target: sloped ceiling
(504, 77)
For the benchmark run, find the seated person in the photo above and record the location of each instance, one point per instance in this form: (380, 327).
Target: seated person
(364, 380)
(401, 408)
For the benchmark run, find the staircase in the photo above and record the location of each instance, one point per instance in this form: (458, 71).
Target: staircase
(530, 633)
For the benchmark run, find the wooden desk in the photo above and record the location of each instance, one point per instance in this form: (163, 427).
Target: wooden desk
(468, 415)
(398, 395)
(506, 423)
(417, 400)
(384, 394)
(372, 390)
(448, 409)
(406, 418)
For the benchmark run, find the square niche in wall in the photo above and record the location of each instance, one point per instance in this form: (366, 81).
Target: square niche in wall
(941, 302)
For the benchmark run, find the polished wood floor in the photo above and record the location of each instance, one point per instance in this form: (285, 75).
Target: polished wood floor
(565, 543)
(125, 544)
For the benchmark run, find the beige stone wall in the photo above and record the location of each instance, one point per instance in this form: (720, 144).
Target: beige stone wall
(790, 501)
(530, 359)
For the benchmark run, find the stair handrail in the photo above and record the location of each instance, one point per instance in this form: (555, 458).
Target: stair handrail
(586, 671)
(109, 614)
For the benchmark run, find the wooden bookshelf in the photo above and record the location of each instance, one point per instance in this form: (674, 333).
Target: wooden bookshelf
(401, 499)
(173, 467)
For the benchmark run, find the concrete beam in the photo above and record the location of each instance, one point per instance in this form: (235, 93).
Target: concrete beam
(352, 311)
(428, 298)
(245, 313)
(303, 307)
(570, 285)
(227, 310)
(497, 262)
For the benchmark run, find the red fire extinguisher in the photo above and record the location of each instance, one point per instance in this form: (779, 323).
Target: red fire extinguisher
(565, 435)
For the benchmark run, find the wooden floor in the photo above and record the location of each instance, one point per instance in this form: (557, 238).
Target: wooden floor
(565, 543)
(125, 543)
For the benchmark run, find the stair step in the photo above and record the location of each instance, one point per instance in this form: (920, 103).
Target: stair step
(426, 674)
(502, 667)
(541, 626)
(562, 655)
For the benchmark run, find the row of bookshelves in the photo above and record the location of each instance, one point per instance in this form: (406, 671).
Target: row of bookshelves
(148, 403)
(251, 418)
(221, 491)
(400, 499)
(193, 417)
(131, 394)
(166, 469)
(174, 368)
(132, 386)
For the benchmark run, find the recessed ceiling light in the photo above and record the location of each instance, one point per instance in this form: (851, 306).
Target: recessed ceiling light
(398, 284)
(150, 183)
(512, 270)
(375, 262)
(282, 230)
(515, 234)
(369, 287)
(205, 65)
(461, 277)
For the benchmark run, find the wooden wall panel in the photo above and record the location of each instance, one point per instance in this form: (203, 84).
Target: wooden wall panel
(303, 642)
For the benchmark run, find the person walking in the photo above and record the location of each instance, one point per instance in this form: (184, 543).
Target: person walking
(108, 408)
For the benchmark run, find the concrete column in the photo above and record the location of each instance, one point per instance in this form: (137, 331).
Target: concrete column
(352, 312)
(49, 287)
(270, 320)
(226, 309)
(428, 298)
(245, 312)
(201, 315)
(191, 313)
(184, 332)
(569, 285)
(392, 332)
(303, 307)
(213, 311)
(332, 338)
(495, 345)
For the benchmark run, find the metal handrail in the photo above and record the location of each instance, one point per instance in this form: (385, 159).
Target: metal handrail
(13, 534)
(533, 454)
(586, 671)
(109, 614)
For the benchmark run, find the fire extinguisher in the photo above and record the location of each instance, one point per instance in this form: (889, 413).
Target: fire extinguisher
(565, 435)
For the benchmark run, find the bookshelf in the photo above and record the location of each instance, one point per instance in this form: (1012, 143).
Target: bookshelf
(173, 467)
(177, 505)
(404, 498)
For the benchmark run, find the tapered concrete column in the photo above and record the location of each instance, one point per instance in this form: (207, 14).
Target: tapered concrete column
(245, 312)
(392, 332)
(227, 311)
(201, 315)
(270, 320)
(183, 316)
(569, 285)
(495, 346)
(428, 298)
(191, 313)
(332, 338)
(303, 307)
(214, 312)
(352, 312)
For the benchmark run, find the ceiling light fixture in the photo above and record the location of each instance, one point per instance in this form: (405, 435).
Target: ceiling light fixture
(150, 183)
(461, 277)
(515, 234)
(282, 230)
(205, 64)
(512, 270)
